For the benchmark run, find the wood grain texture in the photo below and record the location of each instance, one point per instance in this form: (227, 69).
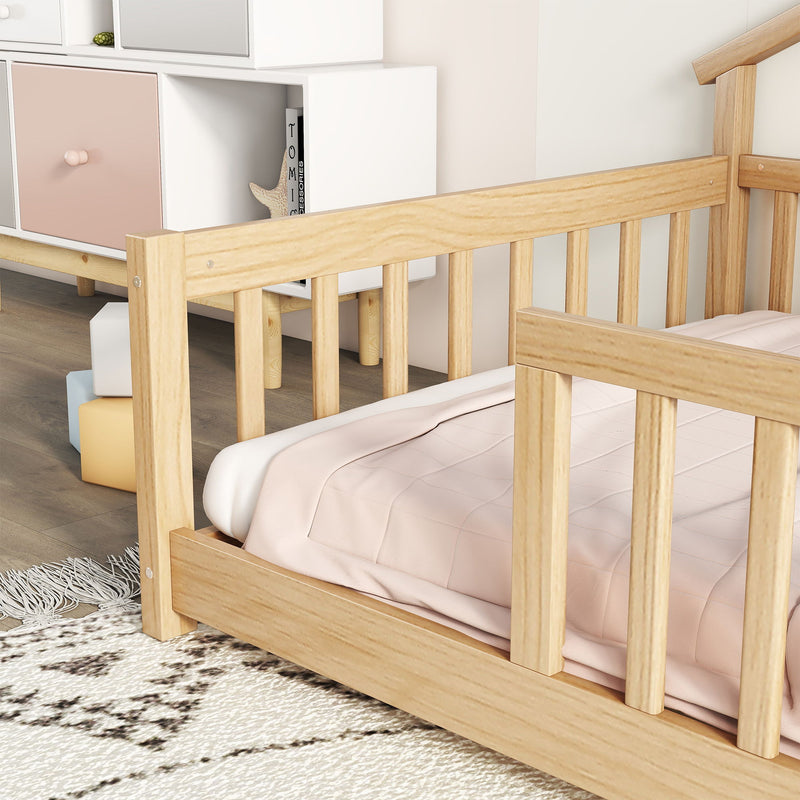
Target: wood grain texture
(467, 687)
(162, 423)
(764, 172)
(670, 364)
(59, 259)
(272, 328)
(248, 330)
(677, 268)
(369, 327)
(520, 286)
(325, 345)
(543, 403)
(784, 235)
(577, 288)
(85, 286)
(459, 315)
(751, 47)
(630, 251)
(651, 536)
(727, 226)
(395, 329)
(266, 253)
(769, 564)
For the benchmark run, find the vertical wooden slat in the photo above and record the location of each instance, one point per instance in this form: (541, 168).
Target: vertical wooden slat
(678, 268)
(784, 232)
(395, 329)
(541, 505)
(459, 315)
(630, 249)
(369, 327)
(577, 272)
(161, 418)
(249, 359)
(727, 227)
(651, 533)
(520, 286)
(325, 345)
(769, 558)
(273, 339)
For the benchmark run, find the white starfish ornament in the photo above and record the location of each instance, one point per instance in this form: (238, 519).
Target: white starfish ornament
(273, 199)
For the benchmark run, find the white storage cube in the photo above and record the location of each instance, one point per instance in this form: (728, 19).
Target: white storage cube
(109, 331)
(259, 33)
(79, 391)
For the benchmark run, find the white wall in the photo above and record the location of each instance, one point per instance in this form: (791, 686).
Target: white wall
(616, 88)
(613, 86)
(486, 56)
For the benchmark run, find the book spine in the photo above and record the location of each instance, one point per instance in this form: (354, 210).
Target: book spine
(292, 161)
(301, 166)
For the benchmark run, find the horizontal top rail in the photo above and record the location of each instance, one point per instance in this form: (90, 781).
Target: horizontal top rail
(232, 258)
(752, 47)
(662, 362)
(766, 172)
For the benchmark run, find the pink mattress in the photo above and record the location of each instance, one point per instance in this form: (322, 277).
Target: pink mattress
(414, 506)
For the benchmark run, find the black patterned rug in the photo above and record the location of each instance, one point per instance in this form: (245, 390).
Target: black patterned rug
(92, 708)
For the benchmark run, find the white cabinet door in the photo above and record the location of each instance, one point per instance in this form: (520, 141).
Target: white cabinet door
(217, 27)
(33, 21)
(6, 171)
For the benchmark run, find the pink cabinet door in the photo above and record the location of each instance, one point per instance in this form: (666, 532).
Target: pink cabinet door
(87, 152)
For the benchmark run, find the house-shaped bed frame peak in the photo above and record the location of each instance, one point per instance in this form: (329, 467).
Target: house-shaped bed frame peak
(732, 67)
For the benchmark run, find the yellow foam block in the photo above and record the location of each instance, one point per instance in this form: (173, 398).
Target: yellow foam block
(106, 432)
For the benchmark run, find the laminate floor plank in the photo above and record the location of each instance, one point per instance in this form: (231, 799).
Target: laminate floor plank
(24, 547)
(42, 491)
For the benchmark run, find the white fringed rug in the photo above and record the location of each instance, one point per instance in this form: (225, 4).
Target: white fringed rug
(93, 708)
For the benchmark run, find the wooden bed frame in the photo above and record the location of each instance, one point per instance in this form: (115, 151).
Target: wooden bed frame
(621, 747)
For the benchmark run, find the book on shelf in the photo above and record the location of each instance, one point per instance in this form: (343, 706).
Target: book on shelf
(295, 162)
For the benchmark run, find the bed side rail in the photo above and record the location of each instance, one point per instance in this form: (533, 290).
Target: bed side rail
(165, 269)
(316, 246)
(662, 368)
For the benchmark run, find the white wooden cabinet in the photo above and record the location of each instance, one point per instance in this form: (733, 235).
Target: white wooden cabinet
(207, 129)
(254, 33)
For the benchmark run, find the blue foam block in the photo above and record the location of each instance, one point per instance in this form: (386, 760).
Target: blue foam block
(79, 391)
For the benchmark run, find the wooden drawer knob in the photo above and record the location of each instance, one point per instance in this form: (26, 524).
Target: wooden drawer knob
(5, 12)
(75, 158)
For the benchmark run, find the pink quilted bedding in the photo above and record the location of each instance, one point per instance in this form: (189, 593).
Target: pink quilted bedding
(414, 506)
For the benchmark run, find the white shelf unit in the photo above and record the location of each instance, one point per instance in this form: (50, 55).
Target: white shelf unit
(244, 33)
(370, 136)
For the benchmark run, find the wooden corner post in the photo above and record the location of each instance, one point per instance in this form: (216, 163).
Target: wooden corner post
(541, 507)
(727, 228)
(161, 416)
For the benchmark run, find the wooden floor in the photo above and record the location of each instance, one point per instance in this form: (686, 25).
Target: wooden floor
(46, 512)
